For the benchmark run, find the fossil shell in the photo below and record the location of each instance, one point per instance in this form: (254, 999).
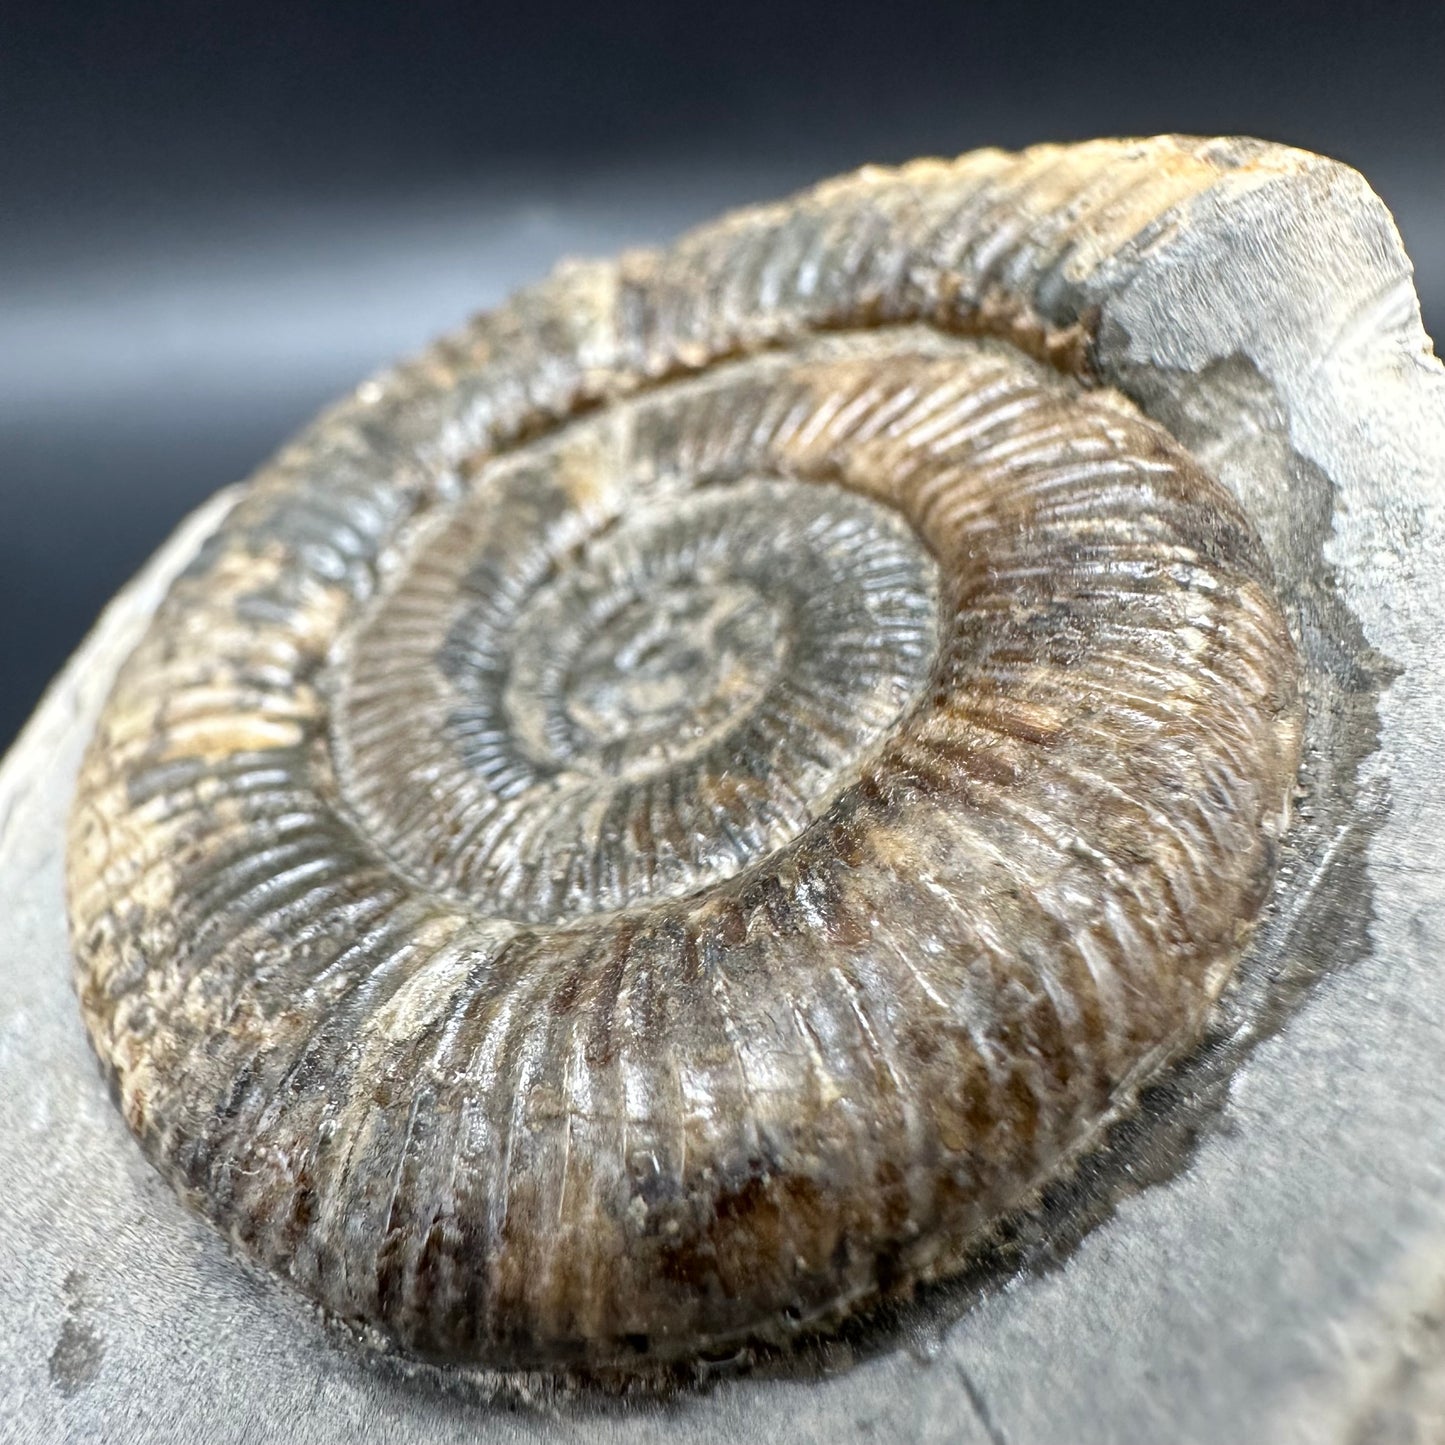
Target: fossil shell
(653, 825)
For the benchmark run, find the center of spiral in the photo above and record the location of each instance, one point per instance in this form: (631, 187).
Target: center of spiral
(595, 689)
(607, 683)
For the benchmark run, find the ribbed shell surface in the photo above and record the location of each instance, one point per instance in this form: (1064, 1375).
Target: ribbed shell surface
(653, 825)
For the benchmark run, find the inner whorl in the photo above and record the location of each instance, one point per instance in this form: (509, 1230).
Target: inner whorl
(687, 877)
(598, 685)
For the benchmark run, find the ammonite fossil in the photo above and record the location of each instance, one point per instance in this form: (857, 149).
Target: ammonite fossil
(653, 825)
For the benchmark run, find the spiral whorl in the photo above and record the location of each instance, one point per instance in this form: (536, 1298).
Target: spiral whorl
(654, 825)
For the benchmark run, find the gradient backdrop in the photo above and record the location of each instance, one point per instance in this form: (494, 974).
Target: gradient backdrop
(216, 217)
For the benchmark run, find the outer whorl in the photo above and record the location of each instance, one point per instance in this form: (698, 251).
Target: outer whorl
(653, 825)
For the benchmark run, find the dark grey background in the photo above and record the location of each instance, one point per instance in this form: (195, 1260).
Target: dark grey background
(215, 217)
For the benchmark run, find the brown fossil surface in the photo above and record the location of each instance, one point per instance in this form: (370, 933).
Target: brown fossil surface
(651, 826)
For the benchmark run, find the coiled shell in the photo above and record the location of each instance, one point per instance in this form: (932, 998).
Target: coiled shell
(652, 826)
